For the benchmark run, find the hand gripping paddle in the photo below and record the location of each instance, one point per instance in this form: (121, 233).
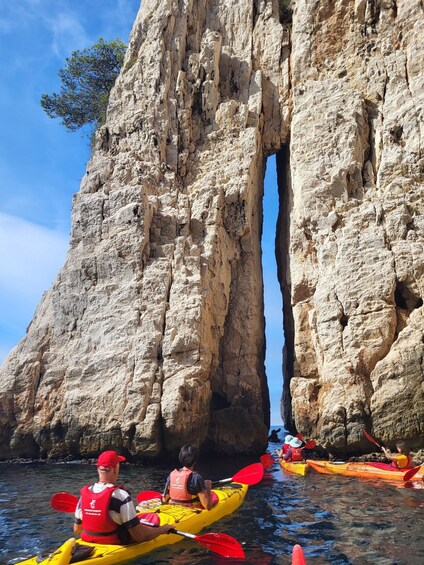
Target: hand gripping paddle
(219, 543)
(250, 475)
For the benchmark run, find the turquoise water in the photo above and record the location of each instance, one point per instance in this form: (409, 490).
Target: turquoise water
(337, 520)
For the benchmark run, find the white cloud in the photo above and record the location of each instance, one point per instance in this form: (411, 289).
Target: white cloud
(68, 34)
(30, 258)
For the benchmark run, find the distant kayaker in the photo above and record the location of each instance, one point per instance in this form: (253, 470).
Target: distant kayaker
(401, 460)
(105, 512)
(285, 447)
(186, 486)
(273, 436)
(294, 451)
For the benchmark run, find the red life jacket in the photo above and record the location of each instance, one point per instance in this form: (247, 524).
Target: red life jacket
(97, 525)
(296, 454)
(285, 448)
(178, 487)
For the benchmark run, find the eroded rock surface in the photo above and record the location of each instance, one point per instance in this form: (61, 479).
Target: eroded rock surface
(152, 334)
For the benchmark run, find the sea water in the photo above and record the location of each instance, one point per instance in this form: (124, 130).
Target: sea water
(336, 519)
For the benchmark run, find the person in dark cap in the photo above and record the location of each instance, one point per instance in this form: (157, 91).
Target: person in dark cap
(105, 512)
(185, 486)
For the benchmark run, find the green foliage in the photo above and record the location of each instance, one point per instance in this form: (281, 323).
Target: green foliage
(86, 83)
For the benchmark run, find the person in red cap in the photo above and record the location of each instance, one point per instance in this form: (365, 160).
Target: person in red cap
(105, 512)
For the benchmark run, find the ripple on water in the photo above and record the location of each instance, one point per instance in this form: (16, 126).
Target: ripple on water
(338, 520)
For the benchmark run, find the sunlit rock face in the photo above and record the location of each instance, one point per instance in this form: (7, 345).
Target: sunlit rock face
(152, 334)
(355, 215)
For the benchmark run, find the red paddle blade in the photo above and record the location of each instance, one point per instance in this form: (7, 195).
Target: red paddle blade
(250, 475)
(298, 557)
(409, 474)
(222, 544)
(370, 438)
(148, 495)
(267, 461)
(64, 502)
(310, 444)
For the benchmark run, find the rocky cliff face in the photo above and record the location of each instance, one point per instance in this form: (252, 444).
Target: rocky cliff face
(354, 282)
(153, 333)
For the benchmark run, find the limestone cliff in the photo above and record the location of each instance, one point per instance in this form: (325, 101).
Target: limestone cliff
(153, 332)
(354, 281)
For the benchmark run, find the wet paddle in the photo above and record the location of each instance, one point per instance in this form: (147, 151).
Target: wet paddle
(222, 544)
(409, 474)
(371, 439)
(219, 543)
(147, 495)
(64, 502)
(267, 460)
(250, 475)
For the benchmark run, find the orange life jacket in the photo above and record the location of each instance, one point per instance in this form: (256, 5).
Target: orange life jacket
(178, 487)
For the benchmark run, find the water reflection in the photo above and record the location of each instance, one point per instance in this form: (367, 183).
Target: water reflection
(339, 520)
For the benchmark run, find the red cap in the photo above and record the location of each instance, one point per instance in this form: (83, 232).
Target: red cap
(109, 459)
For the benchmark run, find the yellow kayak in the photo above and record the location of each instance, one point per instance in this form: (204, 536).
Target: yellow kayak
(189, 520)
(296, 467)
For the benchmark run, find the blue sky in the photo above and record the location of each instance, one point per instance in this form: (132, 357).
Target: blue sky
(41, 164)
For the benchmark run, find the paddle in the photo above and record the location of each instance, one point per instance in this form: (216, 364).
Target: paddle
(219, 543)
(147, 495)
(267, 460)
(409, 474)
(222, 544)
(250, 475)
(64, 502)
(371, 439)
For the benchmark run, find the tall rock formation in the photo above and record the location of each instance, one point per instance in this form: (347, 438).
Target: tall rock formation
(152, 334)
(354, 281)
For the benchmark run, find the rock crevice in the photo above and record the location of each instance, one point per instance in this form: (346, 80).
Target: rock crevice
(152, 334)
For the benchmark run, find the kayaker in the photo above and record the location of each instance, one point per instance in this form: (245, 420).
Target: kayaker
(105, 512)
(294, 451)
(273, 436)
(185, 486)
(401, 460)
(285, 447)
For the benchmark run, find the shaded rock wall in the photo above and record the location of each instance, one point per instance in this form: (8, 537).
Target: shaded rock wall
(153, 332)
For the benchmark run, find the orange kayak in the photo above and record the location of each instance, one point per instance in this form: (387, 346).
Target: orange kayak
(361, 469)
